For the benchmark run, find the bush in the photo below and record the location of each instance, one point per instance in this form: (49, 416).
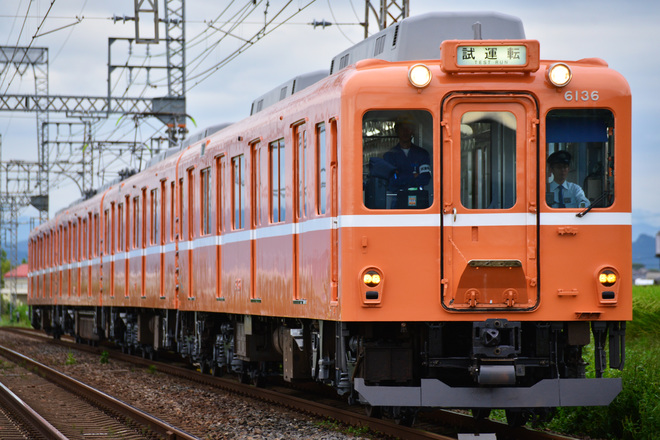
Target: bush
(6, 320)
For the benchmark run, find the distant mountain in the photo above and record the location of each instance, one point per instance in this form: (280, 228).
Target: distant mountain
(639, 228)
(643, 251)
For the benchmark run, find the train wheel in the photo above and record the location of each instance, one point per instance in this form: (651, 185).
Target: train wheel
(257, 378)
(148, 352)
(516, 417)
(216, 370)
(480, 413)
(374, 411)
(404, 416)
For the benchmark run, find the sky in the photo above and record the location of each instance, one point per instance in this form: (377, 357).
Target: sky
(76, 32)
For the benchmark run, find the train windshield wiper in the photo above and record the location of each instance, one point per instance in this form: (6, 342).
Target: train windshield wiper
(592, 205)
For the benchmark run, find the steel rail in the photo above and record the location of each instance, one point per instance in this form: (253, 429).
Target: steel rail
(115, 405)
(28, 417)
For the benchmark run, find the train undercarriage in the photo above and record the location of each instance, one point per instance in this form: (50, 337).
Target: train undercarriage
(394, 369)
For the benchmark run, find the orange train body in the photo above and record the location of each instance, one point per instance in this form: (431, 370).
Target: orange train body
(287, 233)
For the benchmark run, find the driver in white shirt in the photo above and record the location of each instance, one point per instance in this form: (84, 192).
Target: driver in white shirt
(563, 194)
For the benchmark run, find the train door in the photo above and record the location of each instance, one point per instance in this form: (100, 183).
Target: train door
(300, 264)
(489, 202)
(256, 290)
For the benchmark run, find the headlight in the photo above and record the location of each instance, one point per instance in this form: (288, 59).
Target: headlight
(607, 278)
(419, 76)
(559, 74)
(371, 278)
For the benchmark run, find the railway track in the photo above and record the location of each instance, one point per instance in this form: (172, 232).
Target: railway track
(19, 421)
(56, 406)
(435, 425)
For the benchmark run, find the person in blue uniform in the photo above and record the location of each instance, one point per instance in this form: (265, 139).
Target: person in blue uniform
(563, 194)
(412, 163)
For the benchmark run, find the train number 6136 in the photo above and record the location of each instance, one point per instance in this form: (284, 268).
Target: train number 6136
(583, 95)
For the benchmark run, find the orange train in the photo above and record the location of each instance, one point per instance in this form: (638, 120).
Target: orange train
(441, 220)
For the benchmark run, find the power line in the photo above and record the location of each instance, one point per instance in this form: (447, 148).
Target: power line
(18, 40)
(31, 41)
(66, 40)
(338, 27)
(204, 54)
(249, 43)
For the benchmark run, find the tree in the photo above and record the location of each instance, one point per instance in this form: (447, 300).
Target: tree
(5, 266)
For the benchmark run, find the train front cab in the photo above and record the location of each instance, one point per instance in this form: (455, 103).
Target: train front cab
(486, 289)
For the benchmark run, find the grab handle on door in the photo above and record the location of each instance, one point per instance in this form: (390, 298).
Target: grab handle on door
(454, 212)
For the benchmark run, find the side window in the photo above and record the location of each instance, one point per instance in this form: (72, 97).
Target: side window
(106, 233)
(84, 240)
(220, 166)
(136, 222)
(96, 236)
(277, 181)
(74, 241)
(397, 159)
(321, 176)
(120, 227)
(580, 158)
(238, 191)
(301, 141)
(205, 182)
(172, 211)
(181, 215)
(191, 208)
(255, 185)
(488, 160)
(154, 229)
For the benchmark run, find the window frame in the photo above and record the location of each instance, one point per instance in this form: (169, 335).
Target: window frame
(277, 181)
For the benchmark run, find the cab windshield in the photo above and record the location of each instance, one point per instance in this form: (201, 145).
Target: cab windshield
(397, 159)
(579, 159)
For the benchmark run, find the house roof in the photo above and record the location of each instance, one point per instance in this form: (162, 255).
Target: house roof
(18, 272)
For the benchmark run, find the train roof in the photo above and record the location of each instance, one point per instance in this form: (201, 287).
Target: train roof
(286, 89)
(419, 37)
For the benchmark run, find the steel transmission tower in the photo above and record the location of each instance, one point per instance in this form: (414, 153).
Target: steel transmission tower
(386, 11)
(171, 109)
(24, 183)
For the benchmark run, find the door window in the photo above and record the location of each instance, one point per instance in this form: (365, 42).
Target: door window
(488, 160)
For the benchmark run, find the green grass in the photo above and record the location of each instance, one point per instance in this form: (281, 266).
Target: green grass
(5, 320)
(635, 413)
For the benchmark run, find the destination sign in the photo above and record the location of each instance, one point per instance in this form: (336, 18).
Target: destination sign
(491, 55)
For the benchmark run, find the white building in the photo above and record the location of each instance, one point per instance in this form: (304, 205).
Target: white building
(20, 276)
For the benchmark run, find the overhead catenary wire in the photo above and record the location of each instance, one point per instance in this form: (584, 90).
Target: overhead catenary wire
(18, 41)
(204, 54)
(257, 36)
(66, 40)
(30, 45)
(338, 26)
